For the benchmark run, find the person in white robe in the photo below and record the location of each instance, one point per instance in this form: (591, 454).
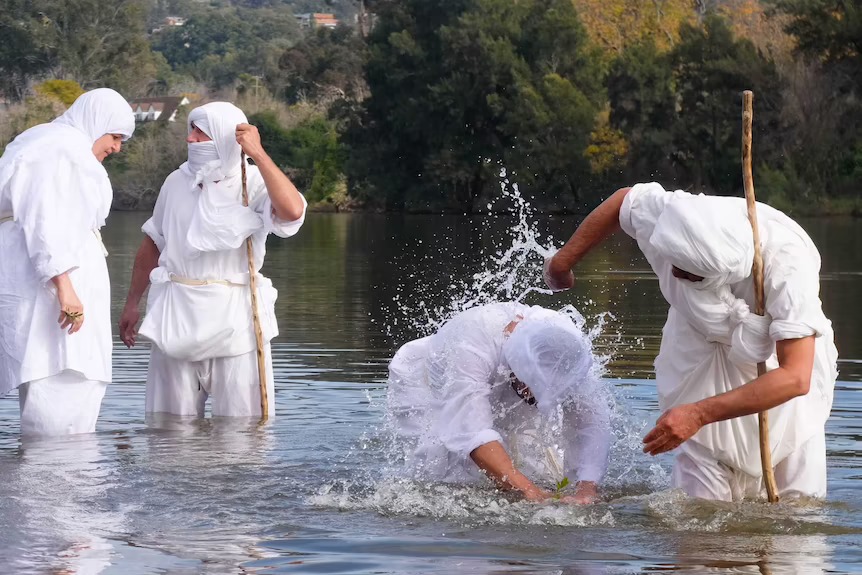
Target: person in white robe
(505, 391)
(194, 260)
(54, 197)
(701, 249)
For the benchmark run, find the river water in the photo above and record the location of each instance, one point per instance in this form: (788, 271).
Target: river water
(313, 490)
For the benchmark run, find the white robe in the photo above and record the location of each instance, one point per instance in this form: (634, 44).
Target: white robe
(58, 194)
(697, 359)
(201, 233)
(450, 393)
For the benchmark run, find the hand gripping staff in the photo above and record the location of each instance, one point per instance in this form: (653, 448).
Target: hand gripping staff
(252, 284)
(757, 273)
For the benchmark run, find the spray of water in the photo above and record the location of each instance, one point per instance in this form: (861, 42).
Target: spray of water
(510, 270)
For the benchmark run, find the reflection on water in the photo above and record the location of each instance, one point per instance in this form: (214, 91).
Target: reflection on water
(311, 492)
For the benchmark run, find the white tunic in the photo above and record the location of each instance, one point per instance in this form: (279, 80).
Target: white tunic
(450, 393)
(57, 194)
(698, 358)
(200, 232)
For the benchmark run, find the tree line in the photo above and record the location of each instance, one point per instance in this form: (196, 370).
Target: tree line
(422, 112)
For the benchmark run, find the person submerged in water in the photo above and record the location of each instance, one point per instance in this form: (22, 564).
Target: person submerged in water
(506, 391)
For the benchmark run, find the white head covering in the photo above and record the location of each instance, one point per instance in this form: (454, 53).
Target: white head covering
(218, 120)
(99, 112)
(707, 236)
(551, 356)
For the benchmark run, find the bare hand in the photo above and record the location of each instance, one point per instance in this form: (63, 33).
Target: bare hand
(248, 138)
(537, 494)
(128, 325)
(71, 308)
(557, 277)
(675, 426)
(586, 492)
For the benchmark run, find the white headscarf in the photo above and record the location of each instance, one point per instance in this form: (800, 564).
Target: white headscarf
(220, 158)
(707, 236)
(552, 357)
(99, 112)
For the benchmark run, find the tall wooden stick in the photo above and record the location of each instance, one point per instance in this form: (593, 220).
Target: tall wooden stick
(757, 272)
(252, 284)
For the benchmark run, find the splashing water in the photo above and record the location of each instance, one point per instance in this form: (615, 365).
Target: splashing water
(505, 274)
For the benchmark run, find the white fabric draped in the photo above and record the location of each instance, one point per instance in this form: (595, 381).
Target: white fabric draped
(449, 394)
(201, 231)
(711, 342)
(57, 195)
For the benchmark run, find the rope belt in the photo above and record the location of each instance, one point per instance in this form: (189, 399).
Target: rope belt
(6, 217)
(194, 282)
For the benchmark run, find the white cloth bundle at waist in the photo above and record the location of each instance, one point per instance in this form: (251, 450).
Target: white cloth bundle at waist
(195, 319)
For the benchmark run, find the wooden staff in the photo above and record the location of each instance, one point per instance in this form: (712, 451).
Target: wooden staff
(757, 272)
(252, 284)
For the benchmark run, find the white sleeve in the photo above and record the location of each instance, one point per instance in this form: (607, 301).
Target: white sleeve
(459, 374)
(792, 293)
(53, 215)
(154, 226)
(588, 438)
(260, 202)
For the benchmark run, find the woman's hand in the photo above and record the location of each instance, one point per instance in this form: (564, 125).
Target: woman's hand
(71, 308)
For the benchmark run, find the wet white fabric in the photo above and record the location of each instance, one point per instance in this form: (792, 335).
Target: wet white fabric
(63, 404)
(553, 358)
(710, 342)
(801, 474)
(183, 387)
(57, 194)
(450, 393)
(202, 322)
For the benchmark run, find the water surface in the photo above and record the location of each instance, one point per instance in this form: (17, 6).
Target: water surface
(313, 492)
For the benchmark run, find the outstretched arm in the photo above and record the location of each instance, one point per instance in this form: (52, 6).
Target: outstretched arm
(602, 222)
(496, 463)
(286, 200)
(146, 261)
(791, 379)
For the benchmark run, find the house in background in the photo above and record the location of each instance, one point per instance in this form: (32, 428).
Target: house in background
(317, 20)
(153, 109)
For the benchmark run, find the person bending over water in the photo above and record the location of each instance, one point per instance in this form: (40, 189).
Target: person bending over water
(505, 390)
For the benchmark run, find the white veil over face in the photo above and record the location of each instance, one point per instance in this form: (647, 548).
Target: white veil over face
(552, 357)
(218, 120)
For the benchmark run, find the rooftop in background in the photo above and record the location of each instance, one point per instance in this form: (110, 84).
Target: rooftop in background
(316, 20)
(152, 109)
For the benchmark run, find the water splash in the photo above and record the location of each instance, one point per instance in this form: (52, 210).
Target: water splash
(508, 273)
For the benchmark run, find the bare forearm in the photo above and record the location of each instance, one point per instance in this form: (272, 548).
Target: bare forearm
(286, 199)
(62, 281)
(601, 223)
(146, 261)
(496, 463)
(791, 379)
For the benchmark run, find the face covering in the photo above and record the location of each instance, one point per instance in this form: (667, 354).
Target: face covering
(200, 154)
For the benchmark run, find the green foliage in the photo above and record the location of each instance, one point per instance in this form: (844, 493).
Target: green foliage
(65, 91)
(463, 88)
(310, 153)
(828, 29)
(326, 64)
(681, 110)
(216, 46)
